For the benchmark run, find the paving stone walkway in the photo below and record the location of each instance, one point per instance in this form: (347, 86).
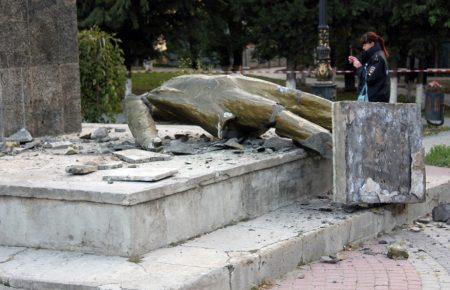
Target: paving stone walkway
(368, 267)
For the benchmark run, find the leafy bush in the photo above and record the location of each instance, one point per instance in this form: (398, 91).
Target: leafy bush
(145, 82)
(439, 155)
(102, 75)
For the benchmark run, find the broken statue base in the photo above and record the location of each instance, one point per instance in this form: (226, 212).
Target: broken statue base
(42, 206)
(378, 155)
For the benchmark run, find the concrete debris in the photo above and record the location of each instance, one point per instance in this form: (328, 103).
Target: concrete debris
(204, 138)
(21, 136)
(234, 144)
(31, 145)
(179, 147)
(415, 229)
(331, 259)
(58, 145)
(277, 143)
(109, 166)
(121, 146)
(424, 220)
(397, 252)
(81, 169)
(100, 133)
(140, 174)
(120, 130)
(441, 213)
(71, 151)
(85, 135)
(140, 156)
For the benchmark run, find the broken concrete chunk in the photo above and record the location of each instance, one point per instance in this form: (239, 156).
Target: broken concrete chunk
(140, 156)
(71, 151)
(234, 144)
(120, 130)
(441, 213)
(140, 174)
(277, 143)
(81, 169)
(108, 166)
(21, 136)
(182, 137)
(100, 133)
(178, 147)
(397, 252)
(58, 145)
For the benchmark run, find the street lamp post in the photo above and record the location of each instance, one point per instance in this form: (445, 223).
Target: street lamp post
(324, 86)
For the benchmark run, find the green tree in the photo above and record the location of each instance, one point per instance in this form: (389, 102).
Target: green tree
(102, 75)
(285, 29)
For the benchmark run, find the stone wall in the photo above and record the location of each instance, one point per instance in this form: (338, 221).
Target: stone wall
(39, 73)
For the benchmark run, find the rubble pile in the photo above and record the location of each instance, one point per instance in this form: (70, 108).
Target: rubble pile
(113, 148)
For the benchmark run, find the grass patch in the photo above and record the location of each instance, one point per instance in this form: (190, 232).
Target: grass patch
(430, 130)
(439, 156)
(135, 259)
(144, 82)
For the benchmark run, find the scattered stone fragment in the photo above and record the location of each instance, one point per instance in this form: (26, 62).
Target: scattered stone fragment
(397, 252)
(120, 130)
(100, 133)
(109, 166)
(121, 146)
(21, 136)
(441, 213)
(234, 144)
(178, 147)
(277, 143)
(140, 174)
(85, 135)
(382, 242)
(58, 145)
(31, 145)
(424, 221)
(71, 151)
(81, 169)
(140, 156)
(331, 259)
(415, 229)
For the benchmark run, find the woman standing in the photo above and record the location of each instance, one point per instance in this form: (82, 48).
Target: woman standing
(372, 69)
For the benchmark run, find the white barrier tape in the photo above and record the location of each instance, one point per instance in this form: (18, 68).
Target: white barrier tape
(430, 70)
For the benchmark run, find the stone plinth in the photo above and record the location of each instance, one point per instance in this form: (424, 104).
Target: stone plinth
(39, 74)
(378, 153)
(42, 206)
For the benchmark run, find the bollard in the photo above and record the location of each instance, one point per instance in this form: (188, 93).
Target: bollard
(420, 96)
(394, 85)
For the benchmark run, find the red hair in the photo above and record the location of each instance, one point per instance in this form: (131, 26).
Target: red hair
(373, 37)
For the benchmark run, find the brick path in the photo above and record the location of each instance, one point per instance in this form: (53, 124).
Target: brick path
(368, 267)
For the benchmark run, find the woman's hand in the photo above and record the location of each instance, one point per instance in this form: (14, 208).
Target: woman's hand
(353, 60)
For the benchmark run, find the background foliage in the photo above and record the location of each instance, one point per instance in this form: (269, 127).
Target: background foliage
(102, 75)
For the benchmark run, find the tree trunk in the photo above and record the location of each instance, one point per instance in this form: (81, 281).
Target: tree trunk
(237, 60)
(290, 74)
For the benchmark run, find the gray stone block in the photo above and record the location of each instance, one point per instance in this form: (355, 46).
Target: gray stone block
(40, 86)
(378, 153)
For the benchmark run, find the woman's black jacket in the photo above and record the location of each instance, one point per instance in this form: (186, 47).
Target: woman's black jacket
(374, 71)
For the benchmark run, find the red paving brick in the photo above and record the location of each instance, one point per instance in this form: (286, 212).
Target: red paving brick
(359, 271)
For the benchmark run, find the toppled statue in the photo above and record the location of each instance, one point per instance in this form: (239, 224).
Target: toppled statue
(230, 106)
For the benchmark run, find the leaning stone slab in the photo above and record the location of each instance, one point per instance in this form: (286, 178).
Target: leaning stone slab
(140, 156)
(378, 153)
(140, 174)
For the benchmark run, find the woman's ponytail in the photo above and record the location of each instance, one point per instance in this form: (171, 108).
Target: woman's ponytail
(383, 46)
(373, 37)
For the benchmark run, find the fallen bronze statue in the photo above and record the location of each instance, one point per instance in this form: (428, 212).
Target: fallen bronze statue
(230, 106)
